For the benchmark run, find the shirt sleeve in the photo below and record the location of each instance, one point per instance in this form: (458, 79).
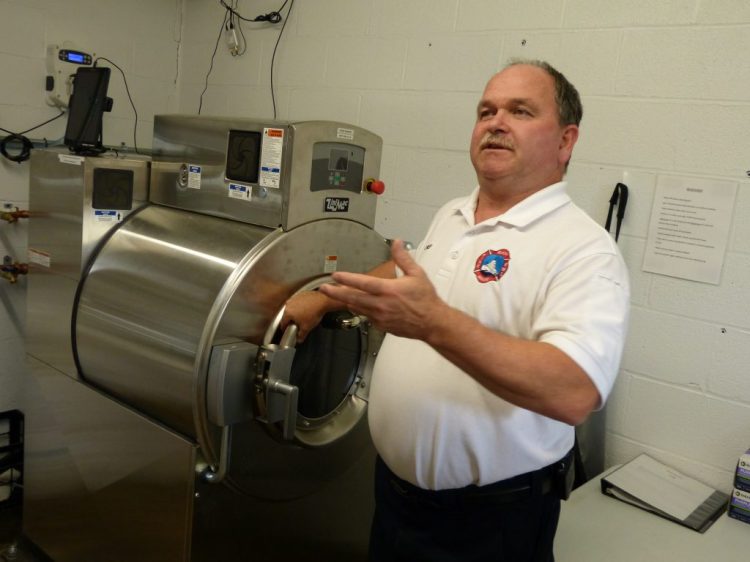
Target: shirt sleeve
(586, 316)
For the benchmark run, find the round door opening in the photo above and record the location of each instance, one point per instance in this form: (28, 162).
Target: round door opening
(325, 366)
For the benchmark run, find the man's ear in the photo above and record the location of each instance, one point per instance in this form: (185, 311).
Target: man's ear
(568, 140)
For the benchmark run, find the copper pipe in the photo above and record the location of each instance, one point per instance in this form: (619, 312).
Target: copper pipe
(11, 271)
(13, 216)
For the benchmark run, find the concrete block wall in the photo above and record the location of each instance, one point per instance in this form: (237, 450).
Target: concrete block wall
(665, 91)
(140, 36)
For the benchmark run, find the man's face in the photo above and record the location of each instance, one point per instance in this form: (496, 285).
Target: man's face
(517, 135)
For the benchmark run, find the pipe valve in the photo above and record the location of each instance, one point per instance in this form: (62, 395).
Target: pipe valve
(11, 270)
(13, 216)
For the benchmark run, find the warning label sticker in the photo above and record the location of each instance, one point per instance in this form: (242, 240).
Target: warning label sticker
(40, 258)
(270, 158)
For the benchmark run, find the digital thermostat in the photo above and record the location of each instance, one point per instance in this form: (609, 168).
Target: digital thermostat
(62, 63)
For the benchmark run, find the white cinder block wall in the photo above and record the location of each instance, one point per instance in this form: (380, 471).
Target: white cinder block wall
(665, 91)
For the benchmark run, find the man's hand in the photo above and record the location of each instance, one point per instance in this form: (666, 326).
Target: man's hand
(306, 311)
(406, 306)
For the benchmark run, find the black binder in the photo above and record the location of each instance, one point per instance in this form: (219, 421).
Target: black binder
(646, 483)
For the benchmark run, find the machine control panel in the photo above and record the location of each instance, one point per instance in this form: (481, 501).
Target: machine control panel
(337, 166)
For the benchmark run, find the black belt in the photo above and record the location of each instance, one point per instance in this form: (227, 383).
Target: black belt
(524, 486)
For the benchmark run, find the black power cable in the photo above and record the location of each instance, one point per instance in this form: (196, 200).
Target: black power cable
(26, 145)
(273, 57)
(270, 17)
(211, 66)
(127, 91)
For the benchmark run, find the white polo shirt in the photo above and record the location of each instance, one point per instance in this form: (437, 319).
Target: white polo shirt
(542, 271)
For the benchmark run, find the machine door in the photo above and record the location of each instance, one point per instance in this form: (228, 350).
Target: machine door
(287, 420)
(294, 415)
(315, 392)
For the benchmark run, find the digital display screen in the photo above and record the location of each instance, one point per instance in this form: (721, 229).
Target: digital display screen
(76, 57)
(338, 161)
(337, 165)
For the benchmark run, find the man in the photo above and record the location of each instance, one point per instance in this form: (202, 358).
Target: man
(505, 330)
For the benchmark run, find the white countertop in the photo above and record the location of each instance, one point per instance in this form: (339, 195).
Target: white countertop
(598, 528)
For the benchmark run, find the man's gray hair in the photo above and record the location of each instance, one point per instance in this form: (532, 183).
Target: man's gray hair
(569, 107)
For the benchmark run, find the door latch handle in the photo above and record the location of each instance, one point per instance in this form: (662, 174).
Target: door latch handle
(281, 396)
(282, 401)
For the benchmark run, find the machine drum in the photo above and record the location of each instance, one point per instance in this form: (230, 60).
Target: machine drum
(325, 367)
(170, 289)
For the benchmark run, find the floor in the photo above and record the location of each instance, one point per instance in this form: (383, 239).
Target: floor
(13, 547)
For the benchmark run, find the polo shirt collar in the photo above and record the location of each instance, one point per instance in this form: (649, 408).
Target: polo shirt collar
(522, 214)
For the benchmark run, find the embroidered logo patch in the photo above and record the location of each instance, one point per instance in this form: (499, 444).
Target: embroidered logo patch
(492, 265)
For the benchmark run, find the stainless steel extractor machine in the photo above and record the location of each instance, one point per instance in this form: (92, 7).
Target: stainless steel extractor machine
(169, 418)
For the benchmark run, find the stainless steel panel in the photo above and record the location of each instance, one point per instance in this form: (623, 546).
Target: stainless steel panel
(191, 139)
(201, 140)
(305, 205)
(105, 484)
(102, 482)
(62, 227)
(331, 524)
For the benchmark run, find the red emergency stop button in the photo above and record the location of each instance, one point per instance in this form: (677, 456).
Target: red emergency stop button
(375, 186)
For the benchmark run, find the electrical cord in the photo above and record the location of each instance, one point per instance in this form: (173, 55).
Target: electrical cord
(127, 91)
(232, 20)
(26, 145)
(273, 57)
(270, 17)
(211, 66)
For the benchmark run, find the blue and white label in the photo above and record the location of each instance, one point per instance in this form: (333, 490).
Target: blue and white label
(107, 216)
(194, 176)
(239, 191)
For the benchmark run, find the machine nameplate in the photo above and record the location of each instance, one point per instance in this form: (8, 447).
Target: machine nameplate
(336, 205)
(345, 134)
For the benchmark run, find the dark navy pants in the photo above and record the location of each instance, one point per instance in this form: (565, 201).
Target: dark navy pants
(418, 526)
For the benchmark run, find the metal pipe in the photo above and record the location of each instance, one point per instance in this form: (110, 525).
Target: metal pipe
(11, 270)
(13, 216)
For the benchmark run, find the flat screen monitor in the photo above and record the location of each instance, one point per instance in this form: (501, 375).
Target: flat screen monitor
(87, 104)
